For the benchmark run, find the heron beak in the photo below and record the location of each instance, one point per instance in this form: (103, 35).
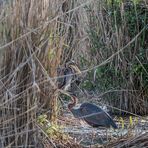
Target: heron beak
(76, 69)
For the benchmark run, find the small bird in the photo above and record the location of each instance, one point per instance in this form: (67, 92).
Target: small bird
(66, 81)
(91, 114)
(69, 72)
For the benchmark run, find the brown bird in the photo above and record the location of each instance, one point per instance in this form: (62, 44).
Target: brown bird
(69, 72)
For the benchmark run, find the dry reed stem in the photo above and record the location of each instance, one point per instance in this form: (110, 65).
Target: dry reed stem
(35, 41)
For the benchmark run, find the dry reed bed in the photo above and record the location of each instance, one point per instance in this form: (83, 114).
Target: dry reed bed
(36, 37)
(131, 142)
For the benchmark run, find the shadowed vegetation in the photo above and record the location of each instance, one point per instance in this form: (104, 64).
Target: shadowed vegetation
(118, 33)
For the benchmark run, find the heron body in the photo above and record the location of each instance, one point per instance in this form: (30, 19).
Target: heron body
(92, 115)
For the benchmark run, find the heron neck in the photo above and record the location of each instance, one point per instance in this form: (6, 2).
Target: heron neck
(73, 103)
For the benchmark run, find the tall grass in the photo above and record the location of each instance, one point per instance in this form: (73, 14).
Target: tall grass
(36, 37)
(118, 34)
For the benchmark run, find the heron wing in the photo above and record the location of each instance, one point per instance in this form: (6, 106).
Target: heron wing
(95, 116)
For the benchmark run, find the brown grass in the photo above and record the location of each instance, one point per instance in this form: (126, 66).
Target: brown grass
(36, 37)
(130, 142)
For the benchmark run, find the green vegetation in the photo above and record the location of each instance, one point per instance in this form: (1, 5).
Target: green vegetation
(53, 131)
(112, 29)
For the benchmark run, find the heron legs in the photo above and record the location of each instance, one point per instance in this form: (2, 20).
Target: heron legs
(106, 134)
(92, 136)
